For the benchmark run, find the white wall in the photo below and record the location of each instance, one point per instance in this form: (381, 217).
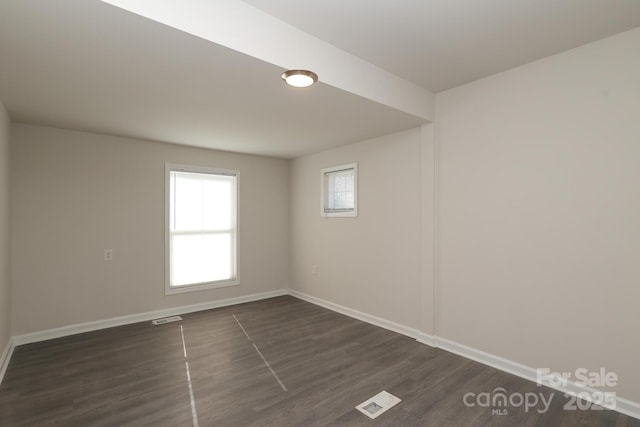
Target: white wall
(75, 194)
(539, 212)
(370, 263)
(5, 239)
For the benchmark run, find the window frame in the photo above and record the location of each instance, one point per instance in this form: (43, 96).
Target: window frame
(172, 290)
(323, 191)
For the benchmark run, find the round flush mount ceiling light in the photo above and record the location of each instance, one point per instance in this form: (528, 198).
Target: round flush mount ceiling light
(299, 78)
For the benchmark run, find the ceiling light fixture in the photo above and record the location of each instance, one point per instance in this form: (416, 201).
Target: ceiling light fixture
(299, 78)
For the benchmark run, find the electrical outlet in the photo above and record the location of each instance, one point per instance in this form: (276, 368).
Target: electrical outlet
(108, 254)
(314, 270)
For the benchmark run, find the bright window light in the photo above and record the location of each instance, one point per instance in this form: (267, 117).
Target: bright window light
(202, 228)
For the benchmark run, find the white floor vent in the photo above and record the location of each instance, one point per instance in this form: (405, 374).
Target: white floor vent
(166, 320)
(378, 404)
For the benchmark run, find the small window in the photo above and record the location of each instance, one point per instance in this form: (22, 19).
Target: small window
(340, 191)
(202, 228)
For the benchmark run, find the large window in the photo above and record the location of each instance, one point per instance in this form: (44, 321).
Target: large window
(339, 190)
(201, 229)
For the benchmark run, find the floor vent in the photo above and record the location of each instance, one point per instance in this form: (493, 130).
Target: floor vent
(378, 404)
(166, 320)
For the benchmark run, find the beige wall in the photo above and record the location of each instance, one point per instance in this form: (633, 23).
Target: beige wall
(5, 239)
(533, 177)
(427, 229)
(76, 194)
(370, 263)
(539, 212)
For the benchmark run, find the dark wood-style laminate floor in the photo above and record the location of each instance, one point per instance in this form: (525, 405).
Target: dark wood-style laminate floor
(138, 375)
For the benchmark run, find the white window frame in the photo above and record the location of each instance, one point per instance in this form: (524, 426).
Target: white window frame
(171, 290)
(323, 191)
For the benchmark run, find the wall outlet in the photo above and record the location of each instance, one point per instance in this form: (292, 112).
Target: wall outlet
(108, 254)
(314, 270)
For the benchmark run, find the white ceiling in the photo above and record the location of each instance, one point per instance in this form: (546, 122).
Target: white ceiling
(87, 65)
(440, 44)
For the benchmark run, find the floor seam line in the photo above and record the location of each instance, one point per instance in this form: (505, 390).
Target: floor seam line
(284, 388)
(192, 399)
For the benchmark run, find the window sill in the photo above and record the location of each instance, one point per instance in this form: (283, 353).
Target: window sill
(339, 214)
(174, 290)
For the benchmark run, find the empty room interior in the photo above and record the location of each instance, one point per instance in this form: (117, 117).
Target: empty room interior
(285, 213)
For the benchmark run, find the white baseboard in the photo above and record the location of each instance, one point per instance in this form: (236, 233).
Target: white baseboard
(141, 317)
(628, 407)
(486, 358)
(6, 357)
(427, 339)
(624, 406)
(374, 320)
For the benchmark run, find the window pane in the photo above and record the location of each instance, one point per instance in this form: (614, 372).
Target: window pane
(217, 203)
(200, 258)
(217, 257)
(340, 190)
(186, 259)
(187, 202)
(202, 202)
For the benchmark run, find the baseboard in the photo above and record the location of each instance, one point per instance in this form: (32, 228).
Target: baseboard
(628, 407)
(427, 339)
(374, 320)
(6, 357)
(505, 365)
(141, 317)
(623, 406)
